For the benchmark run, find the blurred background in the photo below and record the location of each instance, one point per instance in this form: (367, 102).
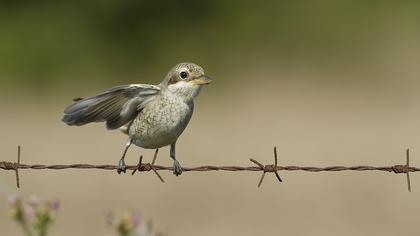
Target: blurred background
(328, 82)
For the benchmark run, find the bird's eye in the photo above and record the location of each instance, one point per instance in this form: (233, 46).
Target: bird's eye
(183, 75)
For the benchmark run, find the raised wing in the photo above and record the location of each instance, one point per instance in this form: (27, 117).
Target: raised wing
(117, 106)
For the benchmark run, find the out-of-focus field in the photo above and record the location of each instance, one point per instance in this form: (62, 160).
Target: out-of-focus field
(336, 122)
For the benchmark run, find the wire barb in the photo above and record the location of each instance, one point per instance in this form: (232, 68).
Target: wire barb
(404, 169)
(268, 168)
(148, 167)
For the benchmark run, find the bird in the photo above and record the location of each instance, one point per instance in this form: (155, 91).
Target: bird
(153, 116)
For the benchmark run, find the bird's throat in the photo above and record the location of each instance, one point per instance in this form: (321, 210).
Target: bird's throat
(185, 90)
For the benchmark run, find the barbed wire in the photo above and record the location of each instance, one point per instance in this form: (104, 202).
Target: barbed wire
(272, 168)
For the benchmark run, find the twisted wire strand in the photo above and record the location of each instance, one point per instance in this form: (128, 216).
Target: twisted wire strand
(273, 168)
(12, 166)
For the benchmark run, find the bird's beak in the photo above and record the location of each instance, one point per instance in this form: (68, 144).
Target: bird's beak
(202, 80)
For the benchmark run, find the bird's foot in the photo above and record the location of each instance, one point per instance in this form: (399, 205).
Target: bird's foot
(177, 168)
(121, 166)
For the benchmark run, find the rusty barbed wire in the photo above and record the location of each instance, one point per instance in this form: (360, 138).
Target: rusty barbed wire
(272, 168)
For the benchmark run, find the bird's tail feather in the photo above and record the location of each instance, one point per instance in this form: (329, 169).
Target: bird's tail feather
(103, 107)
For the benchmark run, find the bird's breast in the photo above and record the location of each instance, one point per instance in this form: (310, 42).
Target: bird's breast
(161, 122)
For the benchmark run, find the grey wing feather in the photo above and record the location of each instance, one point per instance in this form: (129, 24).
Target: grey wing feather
(117, 106)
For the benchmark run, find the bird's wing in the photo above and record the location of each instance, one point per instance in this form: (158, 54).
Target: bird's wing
(117, 106)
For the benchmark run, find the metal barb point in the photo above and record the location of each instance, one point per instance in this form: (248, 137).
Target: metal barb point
(16, 167)
(152, 166)
(262, 168)
(157, 174)
(275, 165)
(138, 165)
(408, 170)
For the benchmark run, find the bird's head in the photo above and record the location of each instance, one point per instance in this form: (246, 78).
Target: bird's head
(186, 79)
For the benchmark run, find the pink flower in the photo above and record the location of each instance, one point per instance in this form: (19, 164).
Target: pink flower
(29, 212)
(135, 218)
(55, 205)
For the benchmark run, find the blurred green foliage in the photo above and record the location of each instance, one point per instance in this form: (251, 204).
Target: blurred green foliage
(47, 43)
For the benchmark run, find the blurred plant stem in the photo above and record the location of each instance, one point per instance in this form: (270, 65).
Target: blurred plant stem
(25, 228)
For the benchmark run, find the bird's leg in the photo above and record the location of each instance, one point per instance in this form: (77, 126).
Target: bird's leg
(177, 166)
(155, 156)
(121, 163)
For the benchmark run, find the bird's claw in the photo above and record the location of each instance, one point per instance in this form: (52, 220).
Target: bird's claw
(121, 166)
(177, 168)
